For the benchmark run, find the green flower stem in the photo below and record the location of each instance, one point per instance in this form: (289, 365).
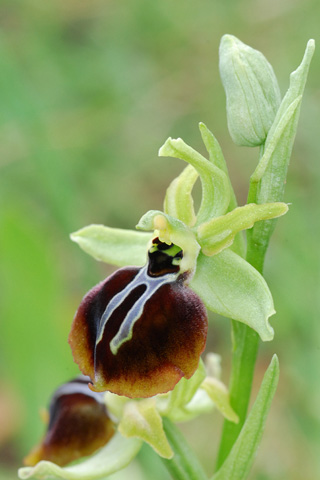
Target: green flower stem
(245, 349)
(184, 465)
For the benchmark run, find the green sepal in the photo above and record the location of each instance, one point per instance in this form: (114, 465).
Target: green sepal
(268, 181)
(230, 286)
(113, 245)
(215, 184)
(238, 463)
(172, 230)
(141, 420)
(117, 454)
(219, 395)
(178, 201)
(252, 91)
(219, 233)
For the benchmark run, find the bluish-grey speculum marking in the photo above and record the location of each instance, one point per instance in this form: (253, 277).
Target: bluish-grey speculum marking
(152, 284)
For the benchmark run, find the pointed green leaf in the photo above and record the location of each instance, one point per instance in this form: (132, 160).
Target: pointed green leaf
(215, 185)
(219, 394)
(275, 141)
(178, 201)
(268, 181)
(218, 234)
(241, 457)
(230, 286)
(116, 455)
(172, 230)
(113, 245)
(142, 420)
(298, 80)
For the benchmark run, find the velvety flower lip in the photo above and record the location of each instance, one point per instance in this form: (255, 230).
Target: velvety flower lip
(141, 330)
(79, 424)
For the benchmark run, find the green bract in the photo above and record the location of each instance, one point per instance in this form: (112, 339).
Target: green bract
(269, 178)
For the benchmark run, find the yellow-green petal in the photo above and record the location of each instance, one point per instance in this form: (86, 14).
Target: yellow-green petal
(219, 233)
(142, 420)
(215, 185)
(219, 394)
(178, 201)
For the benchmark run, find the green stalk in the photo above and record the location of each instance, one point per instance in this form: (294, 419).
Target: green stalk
(245, 343)
(184, 465)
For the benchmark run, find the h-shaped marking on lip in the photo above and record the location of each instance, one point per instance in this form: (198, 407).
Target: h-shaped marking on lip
(125, 331)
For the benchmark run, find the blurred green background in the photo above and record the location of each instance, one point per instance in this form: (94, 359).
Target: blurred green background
(89, 90)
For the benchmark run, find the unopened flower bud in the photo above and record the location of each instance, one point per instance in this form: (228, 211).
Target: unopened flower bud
(252, 91)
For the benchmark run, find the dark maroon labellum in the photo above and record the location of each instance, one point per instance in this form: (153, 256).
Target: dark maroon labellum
(79, 424)
(141, 330)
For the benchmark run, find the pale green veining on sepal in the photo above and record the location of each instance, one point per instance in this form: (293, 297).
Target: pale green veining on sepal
(219, 233)
(172, 230)
(239, 461)
(141, 419)
(252, 91)
(230, 286)
(215, 185)
(117, 454)
(178, 201)
(113, 245)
